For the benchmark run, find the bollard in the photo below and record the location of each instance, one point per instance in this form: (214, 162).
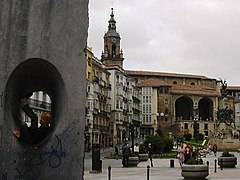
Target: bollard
(215, 165)
(221, 164)
(148, 168)
(109, 172)
(172, 163)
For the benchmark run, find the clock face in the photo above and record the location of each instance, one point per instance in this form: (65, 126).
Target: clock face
(114, 40)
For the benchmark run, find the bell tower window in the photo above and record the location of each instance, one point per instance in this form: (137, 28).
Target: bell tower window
(113, 50)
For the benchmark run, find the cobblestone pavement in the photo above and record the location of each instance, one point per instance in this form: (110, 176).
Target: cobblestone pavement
(161, 170)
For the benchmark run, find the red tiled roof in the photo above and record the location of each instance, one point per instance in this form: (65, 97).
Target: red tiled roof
(152, 83)
(236, 88)
(192, 89)
(179, 88)
(150, 73)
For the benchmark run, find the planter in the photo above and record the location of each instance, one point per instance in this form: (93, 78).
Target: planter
(133, 161)
(227, 162)
(195, 171)
(143, 157)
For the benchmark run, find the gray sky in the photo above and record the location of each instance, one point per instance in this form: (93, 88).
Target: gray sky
(200, 37)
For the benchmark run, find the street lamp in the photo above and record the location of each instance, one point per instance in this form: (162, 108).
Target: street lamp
(161, 115)
(159, 132)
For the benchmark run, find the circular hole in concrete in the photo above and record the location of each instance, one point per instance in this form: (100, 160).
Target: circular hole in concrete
(34, 75)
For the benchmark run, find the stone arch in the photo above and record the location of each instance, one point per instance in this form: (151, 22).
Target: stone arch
(184, 108)
(205, 107)
(34, 75)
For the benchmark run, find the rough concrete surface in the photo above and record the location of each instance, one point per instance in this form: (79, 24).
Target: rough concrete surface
(42, 47)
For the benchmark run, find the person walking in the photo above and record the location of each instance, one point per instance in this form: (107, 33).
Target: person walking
(126, 151)
(149, 151)
(136, 149)
(214, 148)
(181, 152)
(187, 153)
(116, 151)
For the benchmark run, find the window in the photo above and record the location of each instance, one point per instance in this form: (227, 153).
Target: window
(160, 90)
(174, 82)
(117, 104)
(185, 125)
(89, 75)
(89, 61)
(205, 126)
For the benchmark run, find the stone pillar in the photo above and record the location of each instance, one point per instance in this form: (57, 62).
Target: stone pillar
(42, 47)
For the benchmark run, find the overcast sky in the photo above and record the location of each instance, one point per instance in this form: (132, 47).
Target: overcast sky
(200, 37)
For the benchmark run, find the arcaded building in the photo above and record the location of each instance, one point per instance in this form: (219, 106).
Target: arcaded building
(185, 102)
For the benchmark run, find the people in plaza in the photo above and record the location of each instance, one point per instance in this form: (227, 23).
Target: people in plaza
(187, 153)
(181, 152)
(214, 148)
(149, 151)
(136, 149)
(32, 134)
(126, 151)
(116, 151)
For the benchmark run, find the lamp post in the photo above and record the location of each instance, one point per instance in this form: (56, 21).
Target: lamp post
(162, 115)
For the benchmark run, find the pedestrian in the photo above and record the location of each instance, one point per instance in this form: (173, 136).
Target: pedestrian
(149, 150)
(33, 134)
(187, 153)
(181, 152)
(136, 149)
(116, 151)
(214, 148)
(126, 151)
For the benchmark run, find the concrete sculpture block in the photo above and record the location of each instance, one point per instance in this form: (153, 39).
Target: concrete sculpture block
(42, 48)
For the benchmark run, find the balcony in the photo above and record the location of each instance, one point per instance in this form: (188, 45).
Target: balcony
(40, 104)
(95, 79)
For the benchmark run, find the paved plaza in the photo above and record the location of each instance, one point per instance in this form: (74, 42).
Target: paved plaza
(161, 170)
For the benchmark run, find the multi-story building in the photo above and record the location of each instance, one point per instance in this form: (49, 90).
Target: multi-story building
(98, 107)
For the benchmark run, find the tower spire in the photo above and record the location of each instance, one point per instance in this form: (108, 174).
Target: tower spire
(112, 54)
(112, 22)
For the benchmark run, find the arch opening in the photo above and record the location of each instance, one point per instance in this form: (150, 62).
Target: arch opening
(184, 108)
(205, 109)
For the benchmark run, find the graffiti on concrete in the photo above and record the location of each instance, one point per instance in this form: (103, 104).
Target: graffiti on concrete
(32, 160)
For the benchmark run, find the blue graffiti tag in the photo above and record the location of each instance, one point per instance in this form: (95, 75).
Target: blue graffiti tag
(32, 160)
(53, 157)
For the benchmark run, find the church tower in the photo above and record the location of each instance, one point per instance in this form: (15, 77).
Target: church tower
(112, 54)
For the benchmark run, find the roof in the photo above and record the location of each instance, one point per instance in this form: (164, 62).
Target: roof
(180, 88)
(150, 73)
(193, 89)
(233, 88)
(152, 83)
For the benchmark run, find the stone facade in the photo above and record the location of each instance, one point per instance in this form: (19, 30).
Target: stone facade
(186, 100)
